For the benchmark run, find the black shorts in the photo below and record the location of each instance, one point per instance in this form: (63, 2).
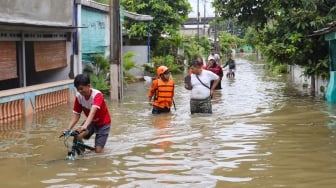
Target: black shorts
(102, 133)
(158, 110)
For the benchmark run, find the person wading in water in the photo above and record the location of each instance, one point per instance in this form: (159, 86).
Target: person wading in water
(162, 90)
(199, 84)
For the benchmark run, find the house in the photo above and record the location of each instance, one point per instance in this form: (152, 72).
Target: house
(94, 28)
(329, 33)
(36, 55)
(42, 47)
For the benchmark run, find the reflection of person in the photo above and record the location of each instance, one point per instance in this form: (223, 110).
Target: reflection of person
(232, 66)
(217, 69)
(163, 91)
(163, 140)
(91, 102)
(201, 92)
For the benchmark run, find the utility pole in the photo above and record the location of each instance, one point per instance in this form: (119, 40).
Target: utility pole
(115, 50)
(204, 17)
(198, 22)
(215, 37)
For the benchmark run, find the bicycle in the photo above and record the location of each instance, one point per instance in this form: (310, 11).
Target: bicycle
(76, 147)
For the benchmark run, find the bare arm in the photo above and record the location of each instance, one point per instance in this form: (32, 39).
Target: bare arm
(73, 121)
(150, 100)
(214, 86)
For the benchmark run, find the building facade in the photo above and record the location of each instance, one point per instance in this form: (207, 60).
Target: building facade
(36, 55)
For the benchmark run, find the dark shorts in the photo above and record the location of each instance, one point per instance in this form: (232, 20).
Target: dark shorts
(200, 105)
(158, 110)
(102, 133)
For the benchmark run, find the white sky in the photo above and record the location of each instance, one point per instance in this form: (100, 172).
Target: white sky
(209, 10)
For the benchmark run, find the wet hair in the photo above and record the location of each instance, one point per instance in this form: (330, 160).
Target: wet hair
(195, 63)
(82, 80)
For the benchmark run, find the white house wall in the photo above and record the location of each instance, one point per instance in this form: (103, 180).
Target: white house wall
(296, 74)
(140, 58)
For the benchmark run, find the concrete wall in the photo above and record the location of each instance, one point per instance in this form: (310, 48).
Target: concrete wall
(140, 58)
(296, 74)
(20, 102)
(95, 34)
(37, 12)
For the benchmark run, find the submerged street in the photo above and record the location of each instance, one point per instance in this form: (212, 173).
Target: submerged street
(263, 133)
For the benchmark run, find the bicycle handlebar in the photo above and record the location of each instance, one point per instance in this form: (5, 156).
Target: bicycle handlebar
(69, 133)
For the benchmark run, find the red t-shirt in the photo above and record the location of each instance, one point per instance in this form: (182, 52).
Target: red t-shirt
(102, 116)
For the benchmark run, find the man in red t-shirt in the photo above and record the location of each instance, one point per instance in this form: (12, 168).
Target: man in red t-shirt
(91, 102)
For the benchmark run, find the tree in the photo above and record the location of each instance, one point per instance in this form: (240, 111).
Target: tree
(168, 16)
(284, 27)
(227, 40)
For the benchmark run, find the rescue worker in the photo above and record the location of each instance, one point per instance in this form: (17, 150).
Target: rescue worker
(162, 91)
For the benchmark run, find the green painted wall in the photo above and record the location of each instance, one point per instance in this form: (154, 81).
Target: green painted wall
(93, 35)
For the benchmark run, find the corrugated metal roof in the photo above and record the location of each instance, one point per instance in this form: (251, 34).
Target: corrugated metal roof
(105, 8)
(34, 27)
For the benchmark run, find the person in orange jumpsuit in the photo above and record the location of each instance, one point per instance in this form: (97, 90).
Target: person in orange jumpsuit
(161, 92)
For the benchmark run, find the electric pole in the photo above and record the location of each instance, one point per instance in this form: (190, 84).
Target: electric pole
(204, 16)
(198, 22)
(115, 51)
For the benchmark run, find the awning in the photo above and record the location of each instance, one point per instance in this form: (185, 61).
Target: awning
(4, 26)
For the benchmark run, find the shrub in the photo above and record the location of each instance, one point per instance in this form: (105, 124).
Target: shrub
(169, 61)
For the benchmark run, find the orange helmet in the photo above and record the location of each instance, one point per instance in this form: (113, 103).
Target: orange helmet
(161, 70)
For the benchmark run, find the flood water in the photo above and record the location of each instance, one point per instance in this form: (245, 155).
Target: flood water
(263, 133)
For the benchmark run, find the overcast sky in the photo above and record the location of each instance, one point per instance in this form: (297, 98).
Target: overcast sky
(209, 10)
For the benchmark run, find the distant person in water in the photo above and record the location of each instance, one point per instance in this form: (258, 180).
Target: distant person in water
(216, 68)
(232, 67)
(214, 55)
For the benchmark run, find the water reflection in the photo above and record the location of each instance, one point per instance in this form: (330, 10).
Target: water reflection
(262, 133)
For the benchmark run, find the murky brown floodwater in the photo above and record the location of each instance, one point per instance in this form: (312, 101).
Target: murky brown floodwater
(263, 133)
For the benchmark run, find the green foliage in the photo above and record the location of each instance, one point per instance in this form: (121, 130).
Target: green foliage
(99, 73)
(192, 48)
(248, 12)
(168, 16)
(129, 64)
(322, 89)
(250, 37)
(205, 43)
(226, 41)
(282, 29)
(169, 45)
(101, 83)
(168, 61)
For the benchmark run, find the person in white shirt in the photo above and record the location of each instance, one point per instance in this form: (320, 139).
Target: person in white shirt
(201, 93)
(215, 56)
